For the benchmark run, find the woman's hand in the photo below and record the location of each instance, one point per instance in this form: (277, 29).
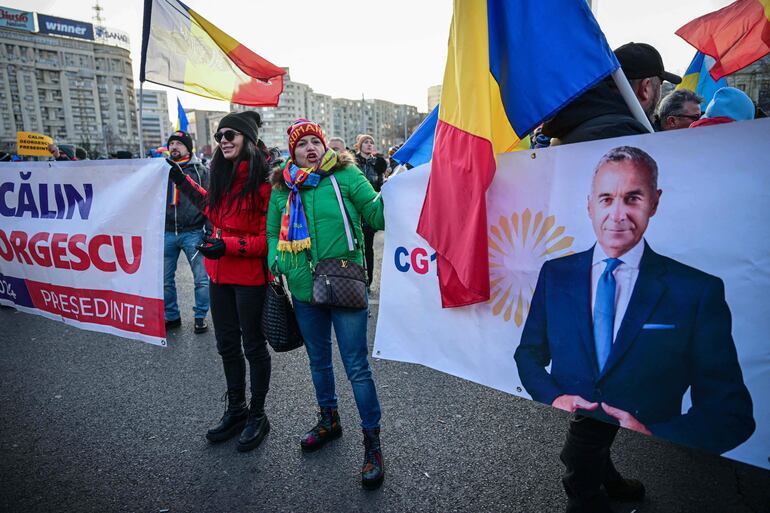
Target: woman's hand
(212, 248)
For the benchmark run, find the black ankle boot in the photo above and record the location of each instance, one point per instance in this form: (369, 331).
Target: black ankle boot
(327, 429)
(234, 418)
(257, 426)
(373, 470)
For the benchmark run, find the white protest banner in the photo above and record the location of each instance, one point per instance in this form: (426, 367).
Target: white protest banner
(689, 358)
(82, 243)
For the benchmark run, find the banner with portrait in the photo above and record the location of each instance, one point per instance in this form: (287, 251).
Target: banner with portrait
(675, 348)
(82, 243)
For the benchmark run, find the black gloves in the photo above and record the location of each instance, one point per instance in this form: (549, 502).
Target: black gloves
(175, 173)
(212, 248)
(380, 164)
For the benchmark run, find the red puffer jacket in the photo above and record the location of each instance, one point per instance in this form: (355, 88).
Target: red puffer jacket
(242, 230)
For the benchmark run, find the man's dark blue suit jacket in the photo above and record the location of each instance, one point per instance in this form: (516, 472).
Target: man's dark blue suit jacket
(676, 334)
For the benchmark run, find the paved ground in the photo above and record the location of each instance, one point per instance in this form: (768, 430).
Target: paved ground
(92, 422)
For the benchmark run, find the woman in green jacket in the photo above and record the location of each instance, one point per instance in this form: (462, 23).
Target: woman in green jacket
(304, 219)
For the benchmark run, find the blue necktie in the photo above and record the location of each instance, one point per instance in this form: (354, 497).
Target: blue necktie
(604, 312)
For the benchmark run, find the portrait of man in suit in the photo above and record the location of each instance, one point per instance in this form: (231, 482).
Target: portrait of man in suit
(627, 331)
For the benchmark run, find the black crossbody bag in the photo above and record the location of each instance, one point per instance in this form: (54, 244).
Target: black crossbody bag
(338, 282)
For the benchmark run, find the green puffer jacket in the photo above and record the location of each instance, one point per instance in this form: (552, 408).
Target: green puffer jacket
(324, 219)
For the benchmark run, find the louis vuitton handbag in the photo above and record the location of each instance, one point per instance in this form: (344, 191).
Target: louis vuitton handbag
(338, 282)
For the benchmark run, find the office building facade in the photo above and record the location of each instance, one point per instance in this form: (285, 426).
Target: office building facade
(73, 90)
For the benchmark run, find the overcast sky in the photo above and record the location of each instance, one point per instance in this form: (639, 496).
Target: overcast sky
(391, 50)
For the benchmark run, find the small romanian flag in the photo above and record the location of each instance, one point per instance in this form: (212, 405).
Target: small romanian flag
(183, 50)
(510, 66)
(735, 36)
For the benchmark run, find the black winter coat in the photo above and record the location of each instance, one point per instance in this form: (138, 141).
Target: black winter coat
(185, 216)
(599, 113)
(373, 168)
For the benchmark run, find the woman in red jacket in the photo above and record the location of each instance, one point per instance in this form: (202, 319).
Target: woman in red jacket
(236, 205)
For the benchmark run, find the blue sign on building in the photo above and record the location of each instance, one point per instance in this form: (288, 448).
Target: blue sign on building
(64, 27)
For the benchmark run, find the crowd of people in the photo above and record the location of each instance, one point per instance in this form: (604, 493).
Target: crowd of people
(286, 224)
(250, 216)
(268, 217)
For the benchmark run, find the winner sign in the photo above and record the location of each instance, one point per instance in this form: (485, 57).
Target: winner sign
(82, 243)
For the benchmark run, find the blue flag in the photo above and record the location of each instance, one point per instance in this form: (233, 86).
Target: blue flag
(418, 149)
(181, 123)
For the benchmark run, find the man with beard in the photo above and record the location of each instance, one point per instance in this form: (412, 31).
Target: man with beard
(678, 110)
(184, 231)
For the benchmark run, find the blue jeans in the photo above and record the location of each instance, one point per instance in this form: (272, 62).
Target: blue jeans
(173, 244)
(315, 323)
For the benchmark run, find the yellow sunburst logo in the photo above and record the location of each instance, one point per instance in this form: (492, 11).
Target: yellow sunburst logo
(518, 247)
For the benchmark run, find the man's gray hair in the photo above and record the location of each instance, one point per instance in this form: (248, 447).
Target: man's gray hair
(634, 155)
(340, 139)
(674, 102)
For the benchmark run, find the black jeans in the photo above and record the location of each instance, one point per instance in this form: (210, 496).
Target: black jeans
(237, 314)
(369, 251)
(586, 456)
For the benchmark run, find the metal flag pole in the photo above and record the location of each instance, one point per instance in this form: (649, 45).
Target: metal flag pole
(141, 105)
(146, 25)
(396, 172)
(630, 98)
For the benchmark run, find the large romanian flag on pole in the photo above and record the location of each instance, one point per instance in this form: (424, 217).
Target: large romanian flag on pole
(735, 36)
(510, 65)
(183, 50)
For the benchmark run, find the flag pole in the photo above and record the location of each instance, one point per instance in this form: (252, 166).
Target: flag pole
(630, 98)
(141, 105)
(398, 170)
(146, 24)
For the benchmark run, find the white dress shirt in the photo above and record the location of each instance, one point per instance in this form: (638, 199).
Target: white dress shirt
(625, 279)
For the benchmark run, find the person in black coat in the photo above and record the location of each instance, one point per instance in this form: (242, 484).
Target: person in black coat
(373, 165)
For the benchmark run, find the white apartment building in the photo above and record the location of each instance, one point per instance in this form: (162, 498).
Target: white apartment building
(388, 123)
(156, 126)
(76, 91)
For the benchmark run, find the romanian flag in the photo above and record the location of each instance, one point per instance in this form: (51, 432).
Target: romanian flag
(698, 79)
(183, 50)
(181, 121)
(735, 36)
(510, 66)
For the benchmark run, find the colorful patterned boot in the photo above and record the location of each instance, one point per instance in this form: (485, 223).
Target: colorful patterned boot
(373, 471)
(327, 429)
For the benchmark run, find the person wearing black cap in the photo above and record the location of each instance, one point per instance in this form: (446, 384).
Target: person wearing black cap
(236, 206)
(602, 113)
(643, 67)
(184, 231)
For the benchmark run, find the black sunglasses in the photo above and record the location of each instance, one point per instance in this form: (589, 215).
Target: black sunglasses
(691, 117)
(229, 135)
